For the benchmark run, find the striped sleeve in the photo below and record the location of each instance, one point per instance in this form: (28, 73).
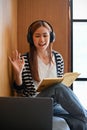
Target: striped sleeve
(59, 64)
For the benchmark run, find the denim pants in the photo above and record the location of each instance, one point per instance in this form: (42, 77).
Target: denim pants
(67, 106)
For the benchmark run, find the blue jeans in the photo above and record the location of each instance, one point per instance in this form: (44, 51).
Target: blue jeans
(66, 105)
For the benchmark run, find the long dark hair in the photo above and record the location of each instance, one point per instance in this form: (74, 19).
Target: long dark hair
(33, 52)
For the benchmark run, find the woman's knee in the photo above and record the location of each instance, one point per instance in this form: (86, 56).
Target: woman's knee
(60, 87)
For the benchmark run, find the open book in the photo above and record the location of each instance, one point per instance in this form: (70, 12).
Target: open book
(67, 80)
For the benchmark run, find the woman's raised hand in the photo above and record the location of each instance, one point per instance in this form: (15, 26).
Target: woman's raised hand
(17, 62)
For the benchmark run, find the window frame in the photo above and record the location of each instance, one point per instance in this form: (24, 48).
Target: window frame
(72, 21)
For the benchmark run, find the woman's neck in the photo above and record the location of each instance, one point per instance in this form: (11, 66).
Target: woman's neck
(44, 56)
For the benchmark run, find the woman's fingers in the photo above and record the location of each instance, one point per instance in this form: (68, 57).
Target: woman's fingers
(15, 55)
(10, 59)
(22, 58)
(16, 59)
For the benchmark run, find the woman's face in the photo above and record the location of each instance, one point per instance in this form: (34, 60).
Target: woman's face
(41, 38)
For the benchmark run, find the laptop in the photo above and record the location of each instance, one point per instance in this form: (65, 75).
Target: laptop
(26, 113)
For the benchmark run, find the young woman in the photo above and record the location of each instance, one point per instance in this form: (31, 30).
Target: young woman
(41, 62)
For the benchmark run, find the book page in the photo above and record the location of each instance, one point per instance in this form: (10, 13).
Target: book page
(69, 78)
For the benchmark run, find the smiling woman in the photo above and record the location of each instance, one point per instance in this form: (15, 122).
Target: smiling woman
(14, 18)
(30, 69)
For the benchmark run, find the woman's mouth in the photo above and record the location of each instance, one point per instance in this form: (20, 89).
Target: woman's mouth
(42, 44)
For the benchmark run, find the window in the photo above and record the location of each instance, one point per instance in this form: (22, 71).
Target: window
(79, 47)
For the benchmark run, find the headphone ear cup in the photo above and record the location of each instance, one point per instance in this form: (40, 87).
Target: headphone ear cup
(29, 39)
(52, 37)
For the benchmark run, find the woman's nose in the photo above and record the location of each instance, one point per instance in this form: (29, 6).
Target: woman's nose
(41, 38)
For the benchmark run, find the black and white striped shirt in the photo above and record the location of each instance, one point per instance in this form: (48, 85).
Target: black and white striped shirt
(28, 88)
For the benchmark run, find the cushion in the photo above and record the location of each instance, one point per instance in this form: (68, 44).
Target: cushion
(59, 124)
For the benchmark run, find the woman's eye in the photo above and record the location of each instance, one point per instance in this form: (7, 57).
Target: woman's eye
(45, 35)
(37, 36)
